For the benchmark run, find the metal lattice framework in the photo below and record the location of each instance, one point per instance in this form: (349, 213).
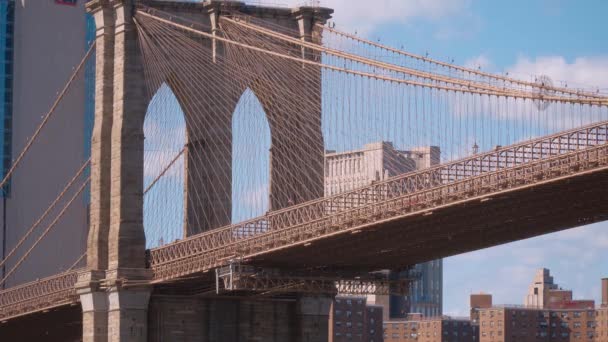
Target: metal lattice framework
(237, 277)
(39, 295)
(525, 164)
(539, 161)
(355, 287)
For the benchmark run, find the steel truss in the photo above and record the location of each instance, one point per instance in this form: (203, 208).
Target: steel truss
(237, 277)
(558, 157)
(39, 295)
(507, 168)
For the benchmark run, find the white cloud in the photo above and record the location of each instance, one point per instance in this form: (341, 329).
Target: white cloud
(582, 72)
(364, 16)
(480, 62)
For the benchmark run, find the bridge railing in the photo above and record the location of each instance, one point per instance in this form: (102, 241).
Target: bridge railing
(396, 187)
(523, 175)
(526, 175)
(500, 158)
(40, 294)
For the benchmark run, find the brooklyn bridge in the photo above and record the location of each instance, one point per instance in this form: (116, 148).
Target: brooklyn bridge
(197, 221)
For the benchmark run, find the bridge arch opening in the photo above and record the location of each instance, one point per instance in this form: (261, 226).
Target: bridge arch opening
(164, 149)
(251, 142)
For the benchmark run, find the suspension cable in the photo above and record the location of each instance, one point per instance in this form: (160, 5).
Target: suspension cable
(47, 116)
(46, 231)
(46, 213)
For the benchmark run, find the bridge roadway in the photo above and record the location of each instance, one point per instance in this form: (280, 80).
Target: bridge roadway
(520, 191)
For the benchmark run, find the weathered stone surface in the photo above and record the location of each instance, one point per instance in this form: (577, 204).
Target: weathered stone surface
(116, 245)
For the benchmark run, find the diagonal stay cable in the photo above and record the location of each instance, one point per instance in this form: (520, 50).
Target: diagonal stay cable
(47, 116)
(46, 231)
(164, 171)
(46, 213)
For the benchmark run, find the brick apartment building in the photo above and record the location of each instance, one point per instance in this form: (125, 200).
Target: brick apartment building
(520, 324)
(565, 321)
(433, 329)
(602, 315)
(352, 319)
(478, 302)
(601, 329)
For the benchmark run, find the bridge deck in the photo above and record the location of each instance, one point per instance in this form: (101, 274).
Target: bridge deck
(406, 220)
(40, 295)
(267, 239)
(448, 229)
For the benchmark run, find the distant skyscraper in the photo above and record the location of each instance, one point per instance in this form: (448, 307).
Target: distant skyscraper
(544, 293)
(538, 291)
(7, 20)
(379, 161)
(41, 42)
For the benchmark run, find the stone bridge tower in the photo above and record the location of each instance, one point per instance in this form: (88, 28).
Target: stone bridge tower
(115, 291)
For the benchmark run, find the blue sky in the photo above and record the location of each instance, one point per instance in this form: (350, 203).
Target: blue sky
(563, 39)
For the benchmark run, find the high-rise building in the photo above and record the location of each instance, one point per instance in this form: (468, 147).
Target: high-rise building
(41, 44)
(7, 20)
(538, 291)
(544, 293)
(375, 162)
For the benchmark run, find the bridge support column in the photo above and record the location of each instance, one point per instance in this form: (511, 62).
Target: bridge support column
(94, 316)
(94, 300)
(183, 318)
(128, 315)
(99, 213)
(94, 307)
(312, 317)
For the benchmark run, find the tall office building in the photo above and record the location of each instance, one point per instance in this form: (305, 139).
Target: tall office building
(379, 161)
(42, 41)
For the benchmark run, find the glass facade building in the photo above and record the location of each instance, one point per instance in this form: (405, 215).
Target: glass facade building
(426, 293)
(89, 85)
(7, 18)
(89, 93)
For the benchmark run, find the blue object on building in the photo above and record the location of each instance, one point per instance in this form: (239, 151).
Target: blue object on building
(7, 18)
